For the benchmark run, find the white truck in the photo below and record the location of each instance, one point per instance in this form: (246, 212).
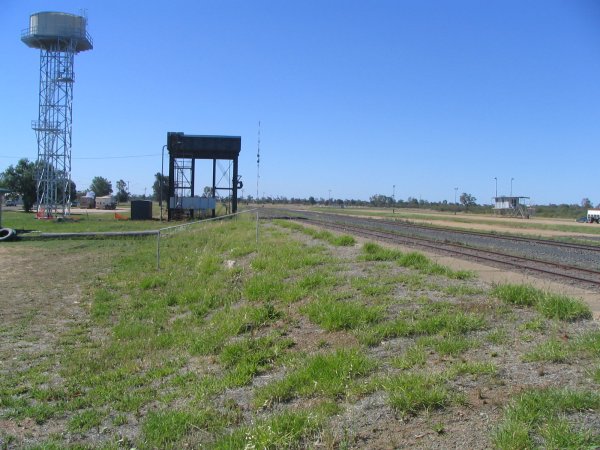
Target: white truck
(107, 202)
(593, 215)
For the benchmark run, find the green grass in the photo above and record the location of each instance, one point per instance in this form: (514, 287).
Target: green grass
(537, 418)
(517, 294)
(497, 336)
(165, 353)
(375, 252)
(415, 355)
(231, 322)
(103, 221)
(449, 345)
(165, 429)
(587, 345)
(249, 357)
(423, 323)
(411, 393)
(334, 314)
(412, 260)
(85, 421)
(331, 375)
(551, 305)
(343, 240)
(563, 307)
(265, 287)
(595, 374)
(552, 350)
(373, 287)
(537, 324)
(289, 429)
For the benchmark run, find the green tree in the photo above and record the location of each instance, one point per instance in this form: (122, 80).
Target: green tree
(101, 186)
(161, 181)
(21, 180)
(122, 192)
(378, 200)
(467, 200)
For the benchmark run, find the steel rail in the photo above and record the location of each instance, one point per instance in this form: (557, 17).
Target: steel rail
(408, 224)
(592, 248)
(477, 253)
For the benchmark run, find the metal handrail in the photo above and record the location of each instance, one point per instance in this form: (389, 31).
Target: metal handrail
(68, 33)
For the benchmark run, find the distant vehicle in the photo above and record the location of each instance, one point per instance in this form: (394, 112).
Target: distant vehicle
(593, 215)
(581, 219)
(106, 202)
(87, 202)
(11, 203)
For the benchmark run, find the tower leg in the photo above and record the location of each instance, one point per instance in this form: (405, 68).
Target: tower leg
(54, 130)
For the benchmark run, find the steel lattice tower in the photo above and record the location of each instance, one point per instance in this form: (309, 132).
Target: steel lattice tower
(59, 36)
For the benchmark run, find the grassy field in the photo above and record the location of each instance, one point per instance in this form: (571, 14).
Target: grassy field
(304, 339)
(87, 221)
(93, 221)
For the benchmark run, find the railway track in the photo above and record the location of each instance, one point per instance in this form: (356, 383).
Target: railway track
(592, 248)
(396, 232)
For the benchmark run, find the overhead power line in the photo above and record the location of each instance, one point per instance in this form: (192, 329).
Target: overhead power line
(96, 157)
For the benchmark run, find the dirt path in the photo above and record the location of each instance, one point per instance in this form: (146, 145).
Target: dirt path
(41, 297)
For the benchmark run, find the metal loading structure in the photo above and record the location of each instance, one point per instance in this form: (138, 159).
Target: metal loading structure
(58, 36)
(184, 150)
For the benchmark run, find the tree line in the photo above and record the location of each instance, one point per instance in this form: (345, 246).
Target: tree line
(20, 179)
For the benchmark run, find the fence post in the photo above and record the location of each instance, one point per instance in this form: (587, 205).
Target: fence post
(158, 251)
(256, 227)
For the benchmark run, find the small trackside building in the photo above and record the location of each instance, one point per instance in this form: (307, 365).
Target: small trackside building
(512, 206)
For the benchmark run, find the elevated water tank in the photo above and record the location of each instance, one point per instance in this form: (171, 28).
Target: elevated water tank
(47, 30)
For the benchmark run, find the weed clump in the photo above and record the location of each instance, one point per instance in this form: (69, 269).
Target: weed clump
(411, 260)
(330, 375)
(412, 392)
(323, 235)
(552, 306)
(333, 314)
(539, 415)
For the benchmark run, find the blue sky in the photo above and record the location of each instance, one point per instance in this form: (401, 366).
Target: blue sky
(353, 97)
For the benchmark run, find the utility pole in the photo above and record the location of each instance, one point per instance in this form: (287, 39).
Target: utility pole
(394, 199)
(455, 204)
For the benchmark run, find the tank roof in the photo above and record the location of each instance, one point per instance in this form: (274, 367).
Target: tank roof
(52, 30)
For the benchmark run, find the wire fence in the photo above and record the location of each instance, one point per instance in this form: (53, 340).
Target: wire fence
(176, 228)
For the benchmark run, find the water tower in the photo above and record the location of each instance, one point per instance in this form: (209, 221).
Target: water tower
(59, 36)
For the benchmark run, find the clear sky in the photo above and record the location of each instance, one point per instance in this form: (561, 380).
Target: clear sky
(353, 96)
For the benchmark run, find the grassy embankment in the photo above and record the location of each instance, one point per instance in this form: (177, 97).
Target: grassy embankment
(233, 344)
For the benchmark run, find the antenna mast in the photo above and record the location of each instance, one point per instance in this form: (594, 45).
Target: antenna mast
(258, 162)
